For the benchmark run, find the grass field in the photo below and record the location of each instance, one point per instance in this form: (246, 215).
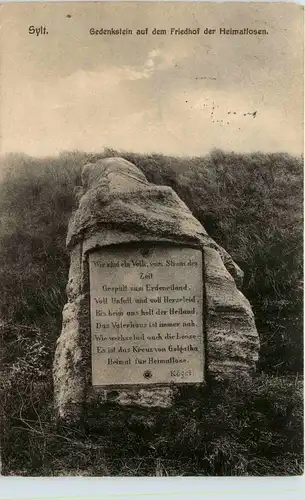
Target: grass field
(252, 206)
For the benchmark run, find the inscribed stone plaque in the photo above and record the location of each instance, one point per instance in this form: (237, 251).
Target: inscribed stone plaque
(146, 315)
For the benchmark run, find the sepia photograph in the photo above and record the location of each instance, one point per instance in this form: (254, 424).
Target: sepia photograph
(151, 239)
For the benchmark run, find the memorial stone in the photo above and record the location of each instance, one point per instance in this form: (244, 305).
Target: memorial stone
(153, 303)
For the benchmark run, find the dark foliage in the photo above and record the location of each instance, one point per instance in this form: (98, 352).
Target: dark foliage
(252, 428)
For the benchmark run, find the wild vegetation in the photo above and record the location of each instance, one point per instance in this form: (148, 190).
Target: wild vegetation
(249, 203)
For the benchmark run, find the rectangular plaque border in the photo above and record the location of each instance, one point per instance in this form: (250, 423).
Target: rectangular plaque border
(203, 355)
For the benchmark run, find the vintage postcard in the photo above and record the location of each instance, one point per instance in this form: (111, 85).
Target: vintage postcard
(151, 239)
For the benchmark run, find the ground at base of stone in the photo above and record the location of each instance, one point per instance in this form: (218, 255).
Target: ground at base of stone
(232, 430)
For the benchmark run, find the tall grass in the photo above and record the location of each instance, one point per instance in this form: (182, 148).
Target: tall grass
(241, 429)
(252, 205)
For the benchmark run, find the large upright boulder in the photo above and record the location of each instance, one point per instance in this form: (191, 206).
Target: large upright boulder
(117, 205)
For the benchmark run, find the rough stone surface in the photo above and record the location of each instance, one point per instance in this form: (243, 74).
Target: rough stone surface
(161, 397)
(117, 196)
(232, 339)
(117, 205)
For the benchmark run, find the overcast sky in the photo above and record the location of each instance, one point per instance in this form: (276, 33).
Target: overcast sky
(71, 90)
